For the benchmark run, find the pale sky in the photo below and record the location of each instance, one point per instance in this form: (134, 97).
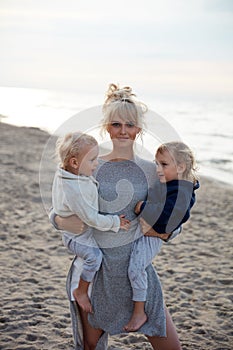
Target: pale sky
(170, 47)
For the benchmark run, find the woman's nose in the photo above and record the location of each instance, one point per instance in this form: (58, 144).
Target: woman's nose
(123, 129)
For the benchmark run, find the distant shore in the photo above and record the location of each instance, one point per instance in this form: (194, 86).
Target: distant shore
(195, 270)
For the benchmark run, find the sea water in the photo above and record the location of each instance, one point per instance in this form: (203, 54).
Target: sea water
(206, 125)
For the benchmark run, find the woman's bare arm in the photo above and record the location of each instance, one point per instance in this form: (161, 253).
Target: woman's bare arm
(71, 223)
(149, 231)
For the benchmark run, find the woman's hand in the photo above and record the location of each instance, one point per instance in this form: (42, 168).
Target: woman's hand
(71, 223)
(149, 231)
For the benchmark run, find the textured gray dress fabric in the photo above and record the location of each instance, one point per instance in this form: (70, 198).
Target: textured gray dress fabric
(121, 186)
(112, 296)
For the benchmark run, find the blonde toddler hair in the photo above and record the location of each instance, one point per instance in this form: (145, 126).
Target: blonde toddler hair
(122, 102)
(72, 144)
(181, 153)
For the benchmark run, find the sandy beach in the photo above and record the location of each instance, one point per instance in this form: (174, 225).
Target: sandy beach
(195, 269)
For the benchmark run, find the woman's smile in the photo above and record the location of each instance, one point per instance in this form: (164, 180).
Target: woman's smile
(121, 138)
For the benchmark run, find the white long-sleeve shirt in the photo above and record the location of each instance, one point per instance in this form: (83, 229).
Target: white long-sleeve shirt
(75, 194)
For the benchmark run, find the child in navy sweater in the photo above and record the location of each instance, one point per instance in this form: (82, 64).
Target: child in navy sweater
(167, 207)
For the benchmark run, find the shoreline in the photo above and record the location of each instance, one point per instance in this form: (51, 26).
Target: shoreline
(216, 176)
(195, 269)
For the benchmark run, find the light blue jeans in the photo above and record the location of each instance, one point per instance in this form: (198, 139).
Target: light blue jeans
(144, 250)
(91, 255)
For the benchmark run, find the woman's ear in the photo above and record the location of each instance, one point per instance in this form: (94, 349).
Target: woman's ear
(73, 162)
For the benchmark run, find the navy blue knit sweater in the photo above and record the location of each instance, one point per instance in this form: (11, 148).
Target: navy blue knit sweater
(168, 204)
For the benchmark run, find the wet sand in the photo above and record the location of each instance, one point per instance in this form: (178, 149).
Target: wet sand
(195, 269)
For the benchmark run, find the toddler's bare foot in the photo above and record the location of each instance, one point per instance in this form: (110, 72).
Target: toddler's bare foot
(83, 300)
(136, 321)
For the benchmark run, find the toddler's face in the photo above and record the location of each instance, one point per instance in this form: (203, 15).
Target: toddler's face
(166, 167)
(88, 160)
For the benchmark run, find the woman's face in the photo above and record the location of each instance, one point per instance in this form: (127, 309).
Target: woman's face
(122, 132)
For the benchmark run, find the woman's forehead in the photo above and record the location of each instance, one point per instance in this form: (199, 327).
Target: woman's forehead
(125, 117)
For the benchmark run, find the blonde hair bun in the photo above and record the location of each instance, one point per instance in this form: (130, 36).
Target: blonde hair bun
(115, 93)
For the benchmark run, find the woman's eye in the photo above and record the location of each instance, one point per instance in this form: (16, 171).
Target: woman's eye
(130, 125)
(116, 125)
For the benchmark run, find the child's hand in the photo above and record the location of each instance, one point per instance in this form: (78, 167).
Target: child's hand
(137, 208)
(124, 223)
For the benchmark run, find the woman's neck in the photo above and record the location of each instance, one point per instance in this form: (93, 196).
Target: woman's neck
(117, 156)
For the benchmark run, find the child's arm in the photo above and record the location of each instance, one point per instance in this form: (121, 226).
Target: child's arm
(151, 208)
(177, 206)
(173, 212)
(149, 211)
(84, 204)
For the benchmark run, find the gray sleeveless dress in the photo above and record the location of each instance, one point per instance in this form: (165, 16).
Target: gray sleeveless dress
(121, 186)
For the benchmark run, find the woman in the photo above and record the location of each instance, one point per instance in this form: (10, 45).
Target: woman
(123, 180)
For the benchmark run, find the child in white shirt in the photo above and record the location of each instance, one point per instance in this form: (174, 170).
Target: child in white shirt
(75, 191)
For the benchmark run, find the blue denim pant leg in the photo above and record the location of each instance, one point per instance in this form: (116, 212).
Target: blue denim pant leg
(143, 252)
(92, 257)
